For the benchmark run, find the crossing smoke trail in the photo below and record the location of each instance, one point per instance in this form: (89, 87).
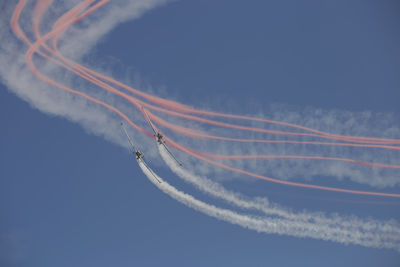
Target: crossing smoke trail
(279, 220)
(378, 235)
(138, 103)
(388, 181)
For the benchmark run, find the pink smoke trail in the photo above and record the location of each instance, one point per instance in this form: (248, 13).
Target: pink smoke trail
(30, 64)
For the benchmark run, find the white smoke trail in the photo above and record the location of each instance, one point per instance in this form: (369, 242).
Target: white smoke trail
(386, 237)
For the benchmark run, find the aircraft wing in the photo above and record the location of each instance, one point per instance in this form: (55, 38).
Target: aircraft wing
(129, 138)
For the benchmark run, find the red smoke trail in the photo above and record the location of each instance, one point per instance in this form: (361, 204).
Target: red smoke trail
(341, 190)
(89, 72)
(326, 134)
(71, 16)
(197, 134)
(40, 9)
(238, 127)
(365, 163)
(14, 22)
(178, 107)
(183, 108)
(258, 176)
(42, 5)
(192, 133)
(135, 101)
(17, 30)
(58, 30)
(40, 42)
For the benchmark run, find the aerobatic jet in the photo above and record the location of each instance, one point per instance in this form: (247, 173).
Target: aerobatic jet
(160, 138)
(139, 155)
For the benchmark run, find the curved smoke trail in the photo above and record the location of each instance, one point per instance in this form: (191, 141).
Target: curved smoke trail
(276, 219)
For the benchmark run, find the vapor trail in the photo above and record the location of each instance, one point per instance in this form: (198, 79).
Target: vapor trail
(346, 233)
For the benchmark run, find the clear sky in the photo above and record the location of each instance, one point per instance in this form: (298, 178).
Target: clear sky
(70, 198)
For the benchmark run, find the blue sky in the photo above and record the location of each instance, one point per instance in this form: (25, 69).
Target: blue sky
(71, 198)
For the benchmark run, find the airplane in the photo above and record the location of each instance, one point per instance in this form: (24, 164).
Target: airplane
(160, 138)
(139, 154)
